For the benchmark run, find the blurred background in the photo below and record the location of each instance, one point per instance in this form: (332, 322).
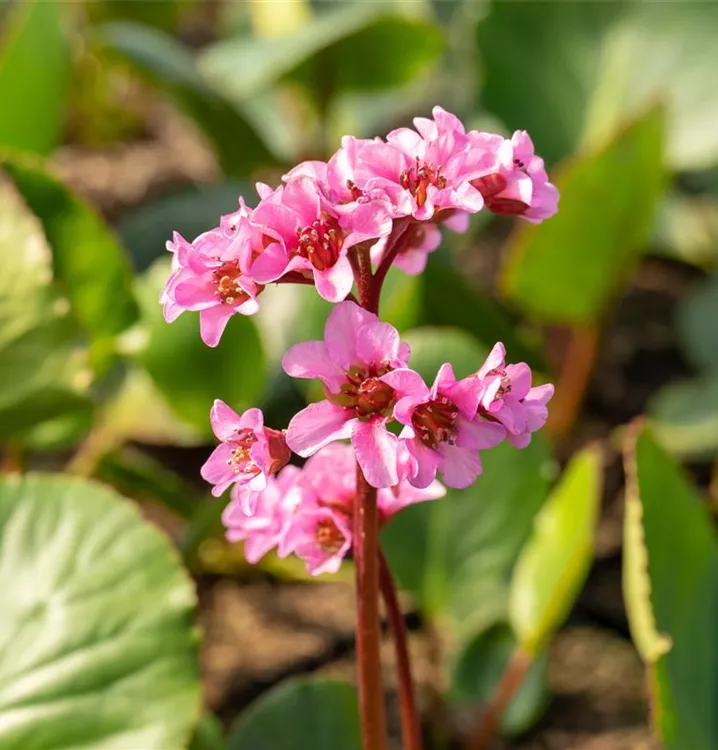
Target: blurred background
(123, 121)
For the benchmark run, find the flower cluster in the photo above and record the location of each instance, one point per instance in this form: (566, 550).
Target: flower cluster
(304, 230)
(335, 224)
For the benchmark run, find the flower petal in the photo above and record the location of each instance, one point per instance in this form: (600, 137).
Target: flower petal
(340, 332)
(224, 420)
(459, 466)
(376, 449)
(212, 323)
(318, 425)
(310, 359)
(333, 284)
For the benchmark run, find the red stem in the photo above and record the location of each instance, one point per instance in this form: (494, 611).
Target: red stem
(393, 245)
(372, 710)
(410, 727)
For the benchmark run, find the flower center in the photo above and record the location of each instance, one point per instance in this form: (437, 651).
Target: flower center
(321, 242)
(365, 393)
(418, 178)
(435, 422)
(328, 536)
(241, 457)
(226, 279)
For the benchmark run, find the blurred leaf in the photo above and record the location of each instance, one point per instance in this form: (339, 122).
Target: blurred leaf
(587, 68)
(661, 52)
(209, 734)
(95, 604)
(279, 18)
(684, 417)
(332, 50)
(698, 325)
(565, 269)
(481, 665)
(42, 373)
(463, 546)
(671, 592)
(136, 474)
(34, 76)
(555, 561)
(160, 14)
(449, 300)
(687, 230)
(189, 211)
(320, 712)
(88, 262)
(554, 50)
(432, 347)
(170, 67)
(401, 299)
(189, 374)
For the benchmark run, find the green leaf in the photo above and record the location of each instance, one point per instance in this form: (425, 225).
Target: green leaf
(684, 417)
(97, 646)
(209, 734)
(566, 269)
(480, 666)
(687, 230)
(432, 347)
(555, 561)
(34, 76)
(553, 49)
(190, 374)
(320, 712)
(594, 66)
(698, 325)
(191, 211)
(671, 593)
(331, 51)
(463, 546)
(88, 262)
(449, 300)
(170, 67)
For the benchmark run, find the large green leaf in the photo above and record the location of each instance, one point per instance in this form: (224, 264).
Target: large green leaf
(463, 546)
(432, 346)
(189, 374)
(169, 66)
(698, 325)
(586, 68)
(34, 76)
(671, 592)
(684, 416)
(89, 264)
(97, 646)
(322, 713)
(566, 269)
(333, 51)
(554, 563)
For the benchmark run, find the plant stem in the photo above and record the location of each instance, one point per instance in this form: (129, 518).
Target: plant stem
(510, 682)
(410, 727)
(365, 286)
(372, 711)
(393, 245)
(578, 361)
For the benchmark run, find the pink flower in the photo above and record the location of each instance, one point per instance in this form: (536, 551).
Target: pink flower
(507, 397)
(209, 275)
(421, 239)
(321, 537)
(248, 454)
(517, 183)
(416, 173)
(442, 430)
(393, 499)
(312, 236)
(274, 511)
(358, 349)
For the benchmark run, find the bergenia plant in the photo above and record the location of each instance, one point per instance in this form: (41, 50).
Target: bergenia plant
(381, 438)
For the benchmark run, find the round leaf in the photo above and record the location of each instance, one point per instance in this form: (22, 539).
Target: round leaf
(97, 647)
(321, 714)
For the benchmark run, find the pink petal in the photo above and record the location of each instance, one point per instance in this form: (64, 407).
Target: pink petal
(301, 195)
(427, 463)
(407, 383)
(212, 323)
(376, 449)
(194, 295)
(378, 342)
(224, 420)
(478, 434)
(318, 425)
(335, 283)
(459, 466)
(270, 265)
(340, 332)
(310, 359)
(495, 361)
(457, 222)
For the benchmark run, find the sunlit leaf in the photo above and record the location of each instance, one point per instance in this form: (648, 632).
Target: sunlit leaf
(554, 563)
(671, 592)
(97, 646)
(698, 325)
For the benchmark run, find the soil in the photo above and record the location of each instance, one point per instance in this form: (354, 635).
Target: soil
(259, 631)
